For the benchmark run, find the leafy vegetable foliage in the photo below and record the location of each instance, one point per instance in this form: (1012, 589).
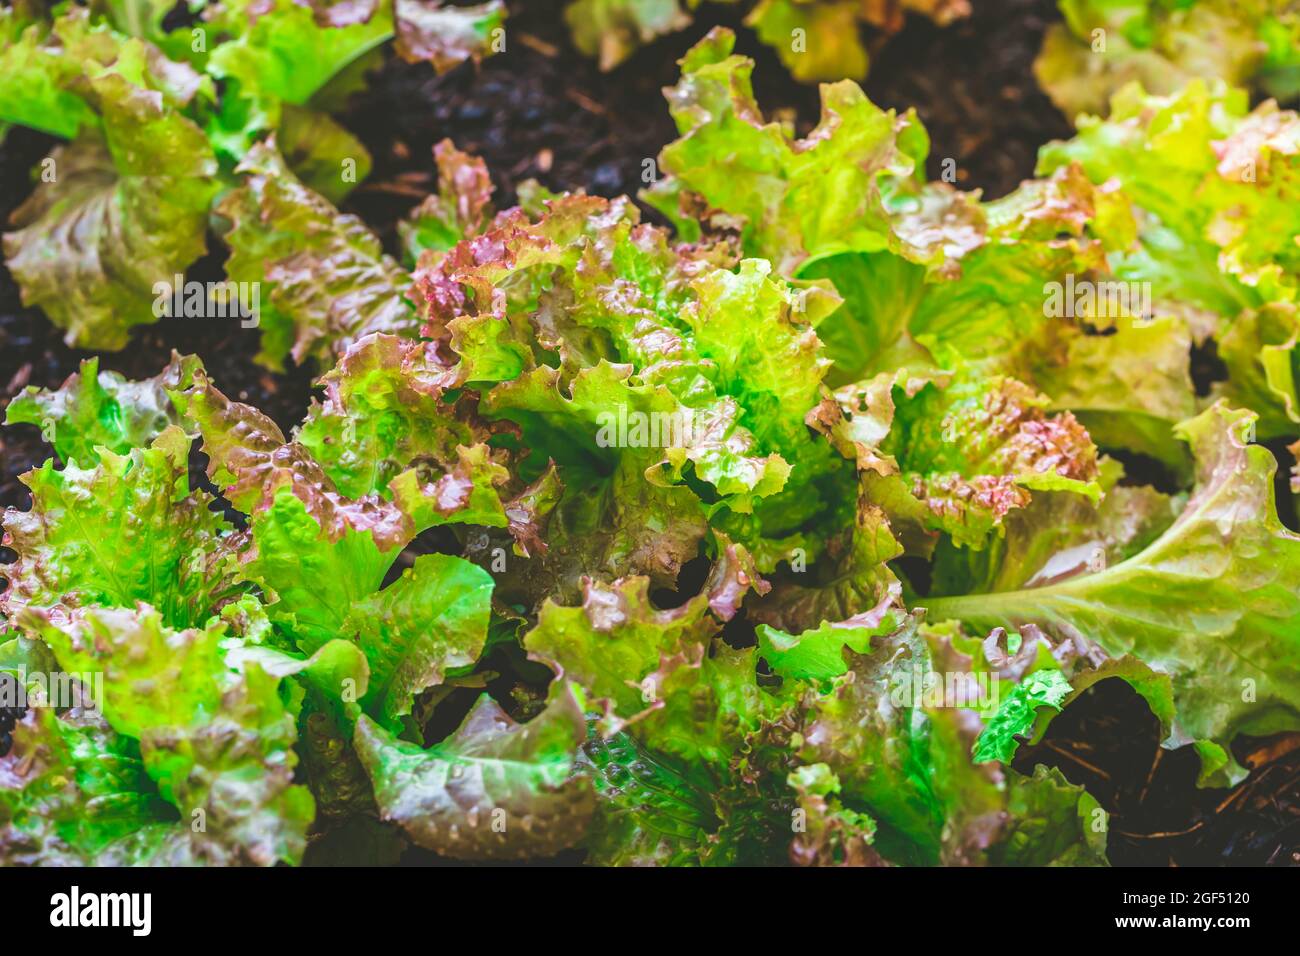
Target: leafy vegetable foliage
(612, 543)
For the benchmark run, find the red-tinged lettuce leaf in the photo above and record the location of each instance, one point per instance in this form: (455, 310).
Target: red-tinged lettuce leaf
(324, 280)
(338, 782)
(708, 710)
(1128, 387)
(48, 61)
(391, 406)
(1059, 535)
(607, 420)
(445, 35)
(818, 654)
(252, 463)
(460, 209)
(250, 460)
(431, 620)
(94, 408)
(646, 335)
(218, 744)
(1200, 168)
(708, 714)
(827, 833)
(872, 732)
(317, 548)
(73, 793)
(127, 529)
(493, 790)
(1207, 603)
(121, 208)
(615, 641)
(848, 577)
(974, 451)
(987, 305)
(528, 514)
(383, 408)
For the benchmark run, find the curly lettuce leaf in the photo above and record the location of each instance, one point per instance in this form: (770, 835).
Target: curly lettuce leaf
(615, 641)
(35, 78)
(493, 790)
(1199, 168)
(818, 655)
(460, 209)
(446, 36)
(791, 199)
(324, 280)
(126, 529)
(628, 363)
(74, 793)
(94, 408)
(431, 620)
(318, 548)
(1207, 603)
(1018, 713)
(1050, 822)
(829, 833)
(218, 744)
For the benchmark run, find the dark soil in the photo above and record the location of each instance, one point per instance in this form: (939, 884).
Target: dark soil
(1107, 740)
(540, 111)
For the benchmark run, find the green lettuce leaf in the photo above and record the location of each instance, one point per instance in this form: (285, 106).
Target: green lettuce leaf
(94, 408)
(431, 620)
(612, 30)
(829, 834)
(1206, 603)
(1018, 712)
(1050, 822)
(127, 529)
(74, 793)
(1164, 44)
(218, 744)
(649, 811)
(493, 790)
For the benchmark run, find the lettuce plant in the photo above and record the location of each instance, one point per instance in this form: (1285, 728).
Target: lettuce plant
(171, 131)
(769, 538)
